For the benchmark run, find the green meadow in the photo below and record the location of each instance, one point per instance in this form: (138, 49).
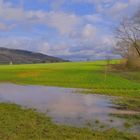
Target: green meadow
(90, 75)
(18, 123)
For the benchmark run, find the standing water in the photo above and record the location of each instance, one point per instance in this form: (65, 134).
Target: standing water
(63, 105)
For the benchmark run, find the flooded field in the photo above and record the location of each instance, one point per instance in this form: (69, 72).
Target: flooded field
(66, 105)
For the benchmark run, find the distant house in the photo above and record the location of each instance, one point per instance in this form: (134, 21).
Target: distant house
(11, 63)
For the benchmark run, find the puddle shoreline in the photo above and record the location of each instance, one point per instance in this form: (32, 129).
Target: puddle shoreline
(64, 105)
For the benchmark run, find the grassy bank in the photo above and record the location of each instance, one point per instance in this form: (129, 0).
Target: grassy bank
(25, 124)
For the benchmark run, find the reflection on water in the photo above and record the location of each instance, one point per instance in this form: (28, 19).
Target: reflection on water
(62, 104)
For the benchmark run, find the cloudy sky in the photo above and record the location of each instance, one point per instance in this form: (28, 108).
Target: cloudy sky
(70, 29)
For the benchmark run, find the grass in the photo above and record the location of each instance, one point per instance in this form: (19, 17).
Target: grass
(130, 120)
(128, 103)
(26, 124)
(90, 75)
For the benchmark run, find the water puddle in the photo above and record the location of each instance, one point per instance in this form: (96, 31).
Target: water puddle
(63, 105)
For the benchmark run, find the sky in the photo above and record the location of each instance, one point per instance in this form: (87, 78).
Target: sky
(70, 29)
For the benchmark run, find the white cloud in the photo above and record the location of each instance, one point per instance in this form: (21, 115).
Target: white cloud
(3, 26)
(24, 43)
(117, 9)
(93, 18)
(6, 27)
(98, 48)
(89, 32)
(10, 13)
(65, 23)
(134, 2)
(61, 21)
(86, 39)
(49, 49)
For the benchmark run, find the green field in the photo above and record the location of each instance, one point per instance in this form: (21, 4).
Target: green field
(95, 76)
(90, 75)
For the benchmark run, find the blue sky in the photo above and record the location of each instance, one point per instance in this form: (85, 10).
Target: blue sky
(70, 29)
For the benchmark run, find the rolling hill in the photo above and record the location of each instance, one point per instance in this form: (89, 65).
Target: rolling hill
(16, 56)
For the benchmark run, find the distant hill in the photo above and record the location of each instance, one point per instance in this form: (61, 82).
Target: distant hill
(16, 56)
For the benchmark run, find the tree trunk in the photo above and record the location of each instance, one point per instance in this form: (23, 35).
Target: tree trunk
(137, 48)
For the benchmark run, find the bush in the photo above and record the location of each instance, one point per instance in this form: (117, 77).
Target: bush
(133, 63)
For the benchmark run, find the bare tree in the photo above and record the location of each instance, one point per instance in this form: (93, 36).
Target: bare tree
(128, 34)
(122, 48)
(136, 17)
